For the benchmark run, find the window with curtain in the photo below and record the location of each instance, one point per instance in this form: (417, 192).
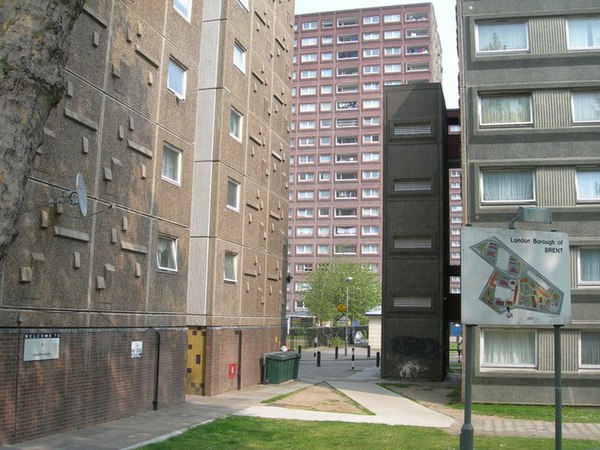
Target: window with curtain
(502, 37)
(588, 185)
(589, 267)
(507, 186)
(505, 110)
(508, 348)
(171, 164)
(583, 33)
(166, 253)
(590, 350)
(230, 267)
(586, 106)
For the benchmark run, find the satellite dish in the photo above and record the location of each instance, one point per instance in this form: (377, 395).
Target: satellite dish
(80, 197)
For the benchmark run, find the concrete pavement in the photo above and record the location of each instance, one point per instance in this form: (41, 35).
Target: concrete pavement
(359, 383)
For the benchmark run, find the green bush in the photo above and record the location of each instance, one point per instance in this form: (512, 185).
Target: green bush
(335, 341)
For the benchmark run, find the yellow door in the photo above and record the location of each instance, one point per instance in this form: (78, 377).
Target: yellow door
(194, 381)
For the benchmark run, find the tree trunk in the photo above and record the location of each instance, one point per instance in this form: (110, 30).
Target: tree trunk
(34, 46)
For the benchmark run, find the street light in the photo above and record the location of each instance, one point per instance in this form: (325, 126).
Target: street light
(348, 281)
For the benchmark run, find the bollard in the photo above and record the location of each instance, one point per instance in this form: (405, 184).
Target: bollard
(377, 359)
(353, 358)
(315, 352)
(336, 352)
(300, 350)
(368, 351)
(318, 359)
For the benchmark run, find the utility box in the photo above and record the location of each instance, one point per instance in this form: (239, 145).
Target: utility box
(281, 366)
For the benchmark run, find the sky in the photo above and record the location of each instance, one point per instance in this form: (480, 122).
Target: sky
(446, 21)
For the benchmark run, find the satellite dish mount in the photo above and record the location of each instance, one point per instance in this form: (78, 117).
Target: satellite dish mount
(77, 197)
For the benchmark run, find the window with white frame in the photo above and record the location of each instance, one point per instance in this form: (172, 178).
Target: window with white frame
(308, 90)
(306, 142)
(370, 174)
(370, 230)
(305, 212)
(230, 267)
(371, 121)
(344, 249)
(327, 23)
(326, 73)
(306, 195)
(304, 231)
(304, 249)
(505, 110)
(389, 51)
(312, 25)
(371, 86)
(176, 78)
(589, 350)
(371, 36)
(583, 33)
(236, 123)
(326, 56)
(347, 22)
(166, 253)
(588, 266)
(346, 194)
(304, 267)
(346, 140)
(392, 34)
(308, 57)
(347, 38)
(308, 107)
(306, 176)
(347, 71)
(233, 195)
(345, 230)
(346, 88)
(171, 164)
(391, 18)
(325, 158)
(588, 185)
(371, 103)
(308, 74)
(515, 348)
(494, 37)
(417, 67)
(370, 20)
(586, 106)
(324, 194)
(392, 68)
(346, 158)
(369, 249)
(325, 123)
(323, 249)
(370, 193)
(411, 33)
(323, 231)
(326, 89)
(371, 52)
(345, 212)
(417, 50)
(350, 122)
(239, 56)
(325, 106)
(370, 138)
(306, 159)
(325, 141)
(307, 125)
(326, 40)
(308, 41)
(324, 176)
(184, 8)
(370, 211)
(507, 186)
(346, 106)
(369, 70)
(370, 156)
(346, 176)
(415, 16)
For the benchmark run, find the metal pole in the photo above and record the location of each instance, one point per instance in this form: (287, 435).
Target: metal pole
(557, 390)
(466, 432)
(336, 352)
(352, 358)
(318, 359)
(346, 327)
(377, 355)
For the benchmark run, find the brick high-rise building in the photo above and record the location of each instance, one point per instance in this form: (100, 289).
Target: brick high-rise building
(342, 62)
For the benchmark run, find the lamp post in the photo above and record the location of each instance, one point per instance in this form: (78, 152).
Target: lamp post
(348, 281)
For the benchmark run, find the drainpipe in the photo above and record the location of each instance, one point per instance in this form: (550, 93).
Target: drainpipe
(155, 401)
(239, 366)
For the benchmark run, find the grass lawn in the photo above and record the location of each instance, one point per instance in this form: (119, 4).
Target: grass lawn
(256, 433)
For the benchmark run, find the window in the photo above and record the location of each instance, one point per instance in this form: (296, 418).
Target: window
(347, 38)
(230, 267)
(371, 52)
(324, 195)
(345, 212)
(308, 90)
(346, 105)
(371, 121)
(347, 71)
(411, 33)
(307, 124)
(370, 20)
(392, 34)
(583, 33)
(323, 212)
(369, 249)
(183, 7)
(325, 159)
(166, 253)
(327, 23)
(346, 140)
(304, 249)
(507, 186)
(236, 122)
(307, 74)
(304, 267)
(370, 157)
(325, 123)
(346, 193)
(306, 176)
(326, 56)
(308, 107)
(306, 195)
(586, 106)
(373, 103)
(306, 42)
(325, 141)
(370, 230)
(417, 50)
(171, 164)
(348, 54)
(413, 129)
(323, 249)
(505, 110)
(588, 267)
(370, 138)
(345, 88)
(239, 57)
(371, 36)
(371, 86)
(417, 67)
(326, 73)
(502, 37)
(370, 70)
(370, 211)
(345, 231)
(323, 231)
(588, 185)
(324, 176)
(304, 231)
(416, 17)
(305, 212)
(326, 89)
(306, 159)
(370, 193)
(233, 194)
(306, 142)
(508, 348)
(347, 22)
(344, 249)
(312, 25)
(392, 68)
(346, 123)
(389, 51)
(327, 40)
(176, 79)
(370, 174)
(308, 57)
(390, 18)
(590, 350)
(345, 176)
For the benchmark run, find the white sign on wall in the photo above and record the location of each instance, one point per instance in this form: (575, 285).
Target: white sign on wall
(515, 277)
(137, 349)
(39, 346)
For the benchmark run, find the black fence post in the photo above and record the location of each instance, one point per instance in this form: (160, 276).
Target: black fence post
(368, 351)
(377, 359)
(300, 350)
(315, 352)
(336, 352)
(352, 358)
(318, 359)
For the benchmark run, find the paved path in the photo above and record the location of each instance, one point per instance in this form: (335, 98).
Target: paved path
(358, 380)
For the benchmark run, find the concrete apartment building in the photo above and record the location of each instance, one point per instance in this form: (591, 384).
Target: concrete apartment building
(174, 130)
(530, 90)
(342, 62)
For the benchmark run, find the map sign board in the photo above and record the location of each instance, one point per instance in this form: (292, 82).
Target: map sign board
(515, 277)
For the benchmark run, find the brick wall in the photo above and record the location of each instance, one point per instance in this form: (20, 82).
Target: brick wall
(94, 380)
(222, 349)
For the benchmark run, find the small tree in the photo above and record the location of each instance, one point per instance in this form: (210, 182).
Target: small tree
(327, 290)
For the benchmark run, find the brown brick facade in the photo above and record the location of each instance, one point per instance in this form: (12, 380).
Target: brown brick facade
(94, 380)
